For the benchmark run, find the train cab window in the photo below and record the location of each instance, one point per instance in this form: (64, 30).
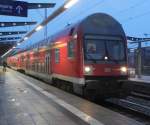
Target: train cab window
(71, 48)
(94, 50)
(57, 55)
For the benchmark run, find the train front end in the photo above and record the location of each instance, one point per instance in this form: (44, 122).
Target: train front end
(105, 55)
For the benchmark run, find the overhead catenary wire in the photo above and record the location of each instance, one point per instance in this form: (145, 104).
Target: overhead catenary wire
(136, 17)
(96, 4)
(132, 7)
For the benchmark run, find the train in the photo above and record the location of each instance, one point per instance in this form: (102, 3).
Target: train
(88, 58)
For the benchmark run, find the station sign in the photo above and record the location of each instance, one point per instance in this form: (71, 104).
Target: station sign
(137, 39)
(14, 8)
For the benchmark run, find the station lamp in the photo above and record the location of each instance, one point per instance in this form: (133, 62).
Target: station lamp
(25, 38)
(38, 28)
(7, 53)
(70, 3)
(65, 6)
(18, 44)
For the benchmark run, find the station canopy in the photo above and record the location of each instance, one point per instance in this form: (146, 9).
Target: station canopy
(9, 38)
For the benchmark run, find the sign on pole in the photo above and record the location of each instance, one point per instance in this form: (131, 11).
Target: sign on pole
(14, 8)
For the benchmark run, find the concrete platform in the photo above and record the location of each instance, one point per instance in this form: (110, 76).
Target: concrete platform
(143, 79)
(27, 101)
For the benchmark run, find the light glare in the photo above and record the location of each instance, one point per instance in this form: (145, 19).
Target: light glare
(87, 69)
(39, 28)
(123, 69)
(25, 38)
(18, 44)
(70, 4)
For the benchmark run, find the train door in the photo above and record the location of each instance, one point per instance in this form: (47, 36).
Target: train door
(47, 64)
(27, 61)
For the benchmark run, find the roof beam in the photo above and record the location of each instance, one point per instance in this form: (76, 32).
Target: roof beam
(40, 5)
(9, 38)
(8, 42)
(12, 33)
(10, 24)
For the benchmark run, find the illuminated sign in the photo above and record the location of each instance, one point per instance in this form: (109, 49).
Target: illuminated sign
(14, 8)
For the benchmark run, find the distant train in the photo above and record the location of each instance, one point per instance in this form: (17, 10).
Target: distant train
(88, 58)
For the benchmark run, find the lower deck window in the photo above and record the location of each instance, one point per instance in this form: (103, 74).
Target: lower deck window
(57, 55)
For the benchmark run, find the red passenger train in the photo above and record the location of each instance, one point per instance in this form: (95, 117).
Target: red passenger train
(89, 57)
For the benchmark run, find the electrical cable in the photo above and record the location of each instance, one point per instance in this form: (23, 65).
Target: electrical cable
(132, 7)
(136, 16)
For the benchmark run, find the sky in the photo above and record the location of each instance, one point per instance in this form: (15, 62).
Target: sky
(134, 15)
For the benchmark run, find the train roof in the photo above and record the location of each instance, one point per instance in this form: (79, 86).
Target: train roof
(103, 24)
(97, 23)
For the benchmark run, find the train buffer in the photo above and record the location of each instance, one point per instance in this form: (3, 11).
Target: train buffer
(27, 101)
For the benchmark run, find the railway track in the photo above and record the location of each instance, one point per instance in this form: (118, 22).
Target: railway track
(135, 104)
(138, 100)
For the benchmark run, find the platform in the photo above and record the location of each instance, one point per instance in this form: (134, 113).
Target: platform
(143, 79)
(27, 101)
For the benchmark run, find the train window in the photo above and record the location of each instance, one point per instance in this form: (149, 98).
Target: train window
(94, 49)
(47, 64)
(39, 65)
(22, 58)
(116, 50)
(57, 55)
(71, 48)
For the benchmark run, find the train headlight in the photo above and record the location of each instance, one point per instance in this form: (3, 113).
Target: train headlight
(123, 70)
(88, 70)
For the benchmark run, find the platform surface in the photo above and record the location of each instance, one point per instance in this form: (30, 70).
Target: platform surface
(27, 101)
(143, 79)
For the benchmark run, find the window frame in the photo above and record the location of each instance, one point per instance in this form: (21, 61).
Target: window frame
(71, 53)
(57, 55)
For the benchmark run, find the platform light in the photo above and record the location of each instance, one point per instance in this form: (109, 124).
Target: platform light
(70, 4)
(6, 53)
(14, 24)
(39, 5)
(26, 38)
(18, 44)
(2, 24)
(39, 28)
